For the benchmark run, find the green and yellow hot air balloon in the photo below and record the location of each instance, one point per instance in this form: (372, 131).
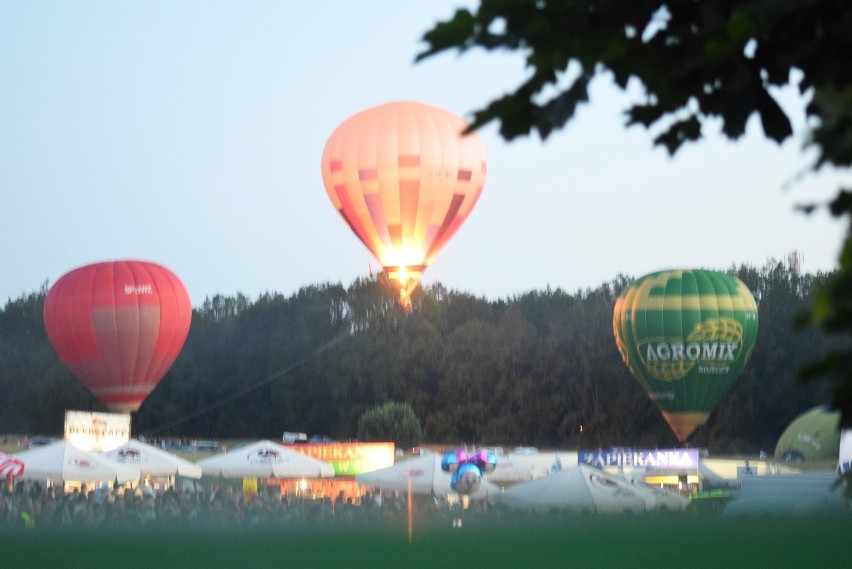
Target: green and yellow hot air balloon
(685, 334)
(813, 436)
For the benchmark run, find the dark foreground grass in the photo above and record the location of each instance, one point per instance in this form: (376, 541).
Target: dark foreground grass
(593, 542)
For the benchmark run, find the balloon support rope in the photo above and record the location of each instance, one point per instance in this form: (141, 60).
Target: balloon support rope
(246, 390)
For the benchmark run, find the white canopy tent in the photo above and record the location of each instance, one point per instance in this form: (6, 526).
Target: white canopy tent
(62, 461)
(804, 494)
(426, 477)
(663, 499)
(152, 460)
(708, 478)
(584, 489)
(265, 459)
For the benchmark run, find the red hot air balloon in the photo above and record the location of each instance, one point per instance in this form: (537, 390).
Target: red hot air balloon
(404, 177)
(119, 327)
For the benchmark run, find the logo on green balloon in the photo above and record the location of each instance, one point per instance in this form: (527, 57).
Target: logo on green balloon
(713, 345)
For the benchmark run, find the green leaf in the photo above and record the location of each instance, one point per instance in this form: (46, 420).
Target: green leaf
(680, 132)
(453, 33)
(559, 110)
(646, 115)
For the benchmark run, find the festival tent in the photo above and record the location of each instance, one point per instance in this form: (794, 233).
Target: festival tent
(585, 489)
(806, 494)
(663, 499)
(708, 478)
(152, 460)
(63, 461)
(527, 463)
(265, 459)
(425, 476)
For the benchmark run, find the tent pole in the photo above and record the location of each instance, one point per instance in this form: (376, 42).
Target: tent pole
(410, 509)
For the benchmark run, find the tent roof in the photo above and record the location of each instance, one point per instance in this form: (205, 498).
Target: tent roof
(63, 461)
(152, 460)
(265, 459)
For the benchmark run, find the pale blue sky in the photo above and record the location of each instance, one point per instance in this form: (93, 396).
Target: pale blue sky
(190, 133)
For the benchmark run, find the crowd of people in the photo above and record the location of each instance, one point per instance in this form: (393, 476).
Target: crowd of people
(31, 506)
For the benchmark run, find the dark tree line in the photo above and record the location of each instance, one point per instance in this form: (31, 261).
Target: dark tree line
(694, 61)
(537, 369)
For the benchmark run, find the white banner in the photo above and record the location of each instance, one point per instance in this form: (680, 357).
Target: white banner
(97, 432)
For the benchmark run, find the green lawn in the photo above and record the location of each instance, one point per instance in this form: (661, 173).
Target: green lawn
(594, 542)
(495, 540)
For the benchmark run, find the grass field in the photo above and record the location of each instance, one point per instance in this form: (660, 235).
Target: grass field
(594, 542)
(493, 540)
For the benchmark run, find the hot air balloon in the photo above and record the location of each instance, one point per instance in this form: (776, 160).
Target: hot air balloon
(467, 469)
(404, 178)
(813, 436)
(118, 326)
(685, 335)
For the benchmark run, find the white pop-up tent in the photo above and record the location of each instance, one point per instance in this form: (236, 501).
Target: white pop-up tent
(663, 500)
(62, 461)
(584, 489)
(803, 494)
(265, 459)
(153, 461)
(425, 476)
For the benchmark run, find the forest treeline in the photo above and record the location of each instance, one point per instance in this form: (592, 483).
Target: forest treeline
(539, 368)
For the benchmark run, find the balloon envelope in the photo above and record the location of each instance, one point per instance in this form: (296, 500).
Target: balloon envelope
(404, 178)
(466, 479)
(118, 326)
(813, 436)
(685, 335)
